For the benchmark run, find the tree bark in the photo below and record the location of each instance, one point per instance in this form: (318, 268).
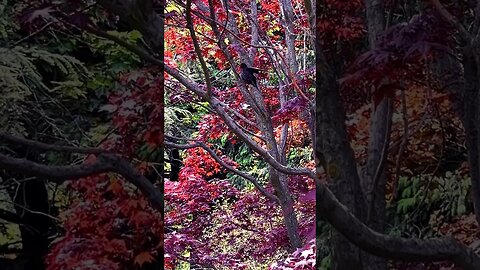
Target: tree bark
(410, 249)
(32, 207)
(471, 121)
(333, 153)
(287, 22)
(32, 199)
(374, 178)
(471, 99)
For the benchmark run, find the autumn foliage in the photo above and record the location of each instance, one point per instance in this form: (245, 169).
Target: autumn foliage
(240, 166)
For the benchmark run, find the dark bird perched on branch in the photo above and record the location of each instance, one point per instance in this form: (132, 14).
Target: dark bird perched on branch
(247, 74)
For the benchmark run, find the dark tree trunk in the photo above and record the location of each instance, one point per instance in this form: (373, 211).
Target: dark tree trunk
(175, 162)
(333, 153)
(471, 121)
(364, 196)
(30, 200)
(33, 209)
(374, 178)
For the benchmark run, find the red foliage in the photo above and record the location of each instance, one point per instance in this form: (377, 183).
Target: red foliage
(110, 226)
(195, 207)
(206, 214)
(399, 57)
(341, 21)
(291, 110)
(137, 111)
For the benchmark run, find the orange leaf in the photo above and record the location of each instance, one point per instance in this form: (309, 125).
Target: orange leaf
(144, 257)
(116, 187)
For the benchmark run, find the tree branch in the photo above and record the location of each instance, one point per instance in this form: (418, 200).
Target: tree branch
(410, 249)
(225, 165)
(403, 145)
(213, 101)
(104, 163)
(239, 115)
(254, 29)
(198, 51)
(452, 20)
(59, 173)
(50, 147)
(340, 164)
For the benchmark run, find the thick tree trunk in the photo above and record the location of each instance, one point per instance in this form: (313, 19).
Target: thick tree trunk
(461, 80)
(33, 208)
(279, 181)
(333, 153)
(374, 178)
(471, 119)
(372, 184)
(31, 199)
(287, 22)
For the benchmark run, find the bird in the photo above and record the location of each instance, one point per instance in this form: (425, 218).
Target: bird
(247, 74)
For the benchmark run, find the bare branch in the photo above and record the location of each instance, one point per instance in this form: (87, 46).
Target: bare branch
(43, 28)
(50, 147)
(104, 163)
(287, 22)
(283, 141)
(386, 124)
(476, 22)
(225, 165)
(254, 29)
(56, 172)
(198, 51)
(239, 115)
(411, 249)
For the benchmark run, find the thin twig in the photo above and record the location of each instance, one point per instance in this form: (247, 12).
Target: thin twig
(403, 145)
(18, 42)
(50, 147)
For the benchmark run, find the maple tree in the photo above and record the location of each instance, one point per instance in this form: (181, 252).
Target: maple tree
(201, 205)
(401, 56)
(412, 48)
(241, 175)
(112, 220)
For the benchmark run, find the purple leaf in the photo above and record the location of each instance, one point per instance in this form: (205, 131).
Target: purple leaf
(309, 196)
